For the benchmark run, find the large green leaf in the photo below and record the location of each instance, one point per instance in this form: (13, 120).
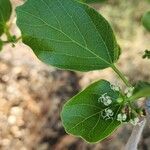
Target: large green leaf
(146, 20)
(92, 1)
(142, 89)
(82, 115)
(5, 12)
(67, 34)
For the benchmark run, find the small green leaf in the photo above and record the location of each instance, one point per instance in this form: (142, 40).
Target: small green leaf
(5, 12)
(146, 20)
(142, 89)
(84, 114)
(67, 34)
(147, 54)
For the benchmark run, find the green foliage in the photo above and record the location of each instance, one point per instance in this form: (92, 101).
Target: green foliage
(1, 45)
(85, 115)
(146, 20)
(142, 89)
(92, 1)
(71, 35)
(147, 54)
(5, 12)
(67, 34)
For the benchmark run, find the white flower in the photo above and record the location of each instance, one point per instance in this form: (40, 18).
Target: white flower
(107, 113)
(129, 91)
(134, 121)
(105, 99)
(121, 117)
(114, 87)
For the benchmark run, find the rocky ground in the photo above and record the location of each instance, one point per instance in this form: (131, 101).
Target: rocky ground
(32, 94)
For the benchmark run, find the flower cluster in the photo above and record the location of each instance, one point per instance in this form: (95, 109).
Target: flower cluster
(105, 99)
(121, 117)
(107, 114)
(129, 91)
(134, 121)
(125, 115)
(114, 87)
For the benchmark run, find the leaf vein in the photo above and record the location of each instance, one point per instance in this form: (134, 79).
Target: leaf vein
(66, 36)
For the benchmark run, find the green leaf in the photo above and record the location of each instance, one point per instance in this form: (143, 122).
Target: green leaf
(146, 20)
(1, 45)
(148, 0)
(142, 89)
(147, 54)
(83, 115)
(5, 12)
(92, 1)
(67, 34)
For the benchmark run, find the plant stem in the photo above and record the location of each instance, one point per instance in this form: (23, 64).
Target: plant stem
(147, 108)
(19, 38)
(10, 38)
(134, 139)
(7, 33)
(121, 75)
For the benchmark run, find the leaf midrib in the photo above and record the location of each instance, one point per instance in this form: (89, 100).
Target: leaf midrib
(67, 36)
(77, 26)
(98, 117)
(112, 121)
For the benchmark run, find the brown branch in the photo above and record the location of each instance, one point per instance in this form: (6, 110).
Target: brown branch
(134, 139)
(147, 107)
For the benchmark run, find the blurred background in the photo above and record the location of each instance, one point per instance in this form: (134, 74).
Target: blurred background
(32, 93)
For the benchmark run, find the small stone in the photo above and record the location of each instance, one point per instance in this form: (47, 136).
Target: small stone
(23, 148)
(17, 111)
(15, 131)
(12, 120)
(6, 142)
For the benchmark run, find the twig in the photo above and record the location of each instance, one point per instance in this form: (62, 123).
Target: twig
(147, 107)
(134, 139)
